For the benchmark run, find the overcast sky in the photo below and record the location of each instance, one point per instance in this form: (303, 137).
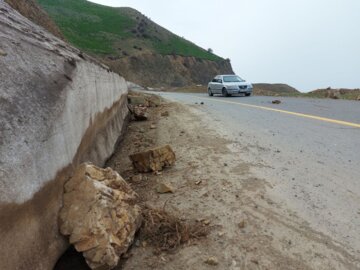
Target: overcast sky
(305, 43)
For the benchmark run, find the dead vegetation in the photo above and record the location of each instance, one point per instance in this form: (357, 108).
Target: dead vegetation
(166, 232)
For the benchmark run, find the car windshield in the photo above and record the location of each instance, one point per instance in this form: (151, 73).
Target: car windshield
(232, 79)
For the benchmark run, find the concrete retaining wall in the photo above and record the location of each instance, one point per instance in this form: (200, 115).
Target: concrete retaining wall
(58, 108)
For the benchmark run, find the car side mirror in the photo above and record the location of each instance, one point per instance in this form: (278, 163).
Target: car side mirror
(219, 81)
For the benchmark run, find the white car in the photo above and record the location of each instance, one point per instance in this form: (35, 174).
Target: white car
(228, 85)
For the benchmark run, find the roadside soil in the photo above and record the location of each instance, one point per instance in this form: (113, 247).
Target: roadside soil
(216, 187)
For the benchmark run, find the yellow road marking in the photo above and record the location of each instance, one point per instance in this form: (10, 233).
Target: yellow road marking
(324, 119)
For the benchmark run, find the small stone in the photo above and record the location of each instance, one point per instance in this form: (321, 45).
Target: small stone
(221, 234)
(242, 224)
(165, 114)
(137, 178)
(206, 222)
(212, 261)
(202, 103)
(276, 101)
(198, 182)
(152, 127)
(2, 53)
(164, 188)
(225, 164)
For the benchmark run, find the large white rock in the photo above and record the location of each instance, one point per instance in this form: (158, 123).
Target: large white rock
(58, 108)
(99, 215)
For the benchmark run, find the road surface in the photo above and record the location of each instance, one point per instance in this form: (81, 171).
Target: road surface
(307, 149)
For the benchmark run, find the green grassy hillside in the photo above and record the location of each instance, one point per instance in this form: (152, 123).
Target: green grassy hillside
(117, 32)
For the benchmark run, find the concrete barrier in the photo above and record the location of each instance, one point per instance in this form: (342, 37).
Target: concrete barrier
(58, 108)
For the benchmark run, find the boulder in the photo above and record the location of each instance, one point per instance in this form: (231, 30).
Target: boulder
(99, 215)
(154, 159)
(137, 100)
(153, 101)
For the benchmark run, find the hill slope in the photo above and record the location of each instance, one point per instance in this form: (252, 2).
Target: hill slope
(267, 89)
(116, 31)
(30, 10)
(133, 45)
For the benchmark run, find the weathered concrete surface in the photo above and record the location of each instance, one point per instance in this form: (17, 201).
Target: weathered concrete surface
(100, 215)
(59, 108)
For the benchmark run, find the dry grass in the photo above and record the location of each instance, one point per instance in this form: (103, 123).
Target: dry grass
(167, 232)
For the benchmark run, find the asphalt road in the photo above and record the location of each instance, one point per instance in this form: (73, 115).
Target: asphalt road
(307, 149)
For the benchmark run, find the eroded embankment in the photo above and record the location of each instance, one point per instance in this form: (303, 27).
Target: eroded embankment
(58, 108)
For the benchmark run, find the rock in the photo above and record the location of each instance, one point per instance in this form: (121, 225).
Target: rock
(153, 101)
(201, 103)
(154, 159)
(276, 101)
(165, 114)
(242, 224)
(164, 188)
(140, 113)
(137, 178)
(99, 215)
(152, 127)
(206, 222)
(2, 53)
(198, 182)
(137, 100)
(212, 261)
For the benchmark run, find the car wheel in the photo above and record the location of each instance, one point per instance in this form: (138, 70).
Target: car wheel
(224, 92)
(247, 94)
(210, 93)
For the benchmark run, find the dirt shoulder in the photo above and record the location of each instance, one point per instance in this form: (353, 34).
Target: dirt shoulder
(214, 186)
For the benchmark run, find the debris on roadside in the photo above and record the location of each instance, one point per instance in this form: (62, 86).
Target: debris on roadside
(154, 159)
(167, 232)
(165, 114)
(99, 215)
(2, 53)
(212, 261)
(137, 100)
(242, 224)
(163, 188)
(140, 113)
(276, 101)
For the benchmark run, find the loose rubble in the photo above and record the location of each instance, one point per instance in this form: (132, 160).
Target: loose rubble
(2, 53)
(140, 113)
(212, 261)
(153, 160)
(164, 188)
(99, 215)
